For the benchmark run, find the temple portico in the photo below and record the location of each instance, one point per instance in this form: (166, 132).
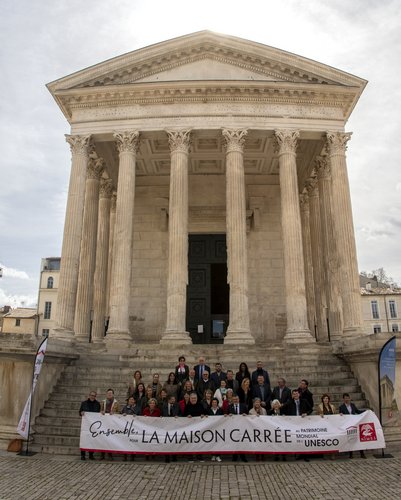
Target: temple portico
(232, 220)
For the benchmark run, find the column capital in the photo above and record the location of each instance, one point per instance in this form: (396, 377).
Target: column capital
(79, 144)
(311, 185)
(106, 188)
(179, 140)
(322, 167)
(95, 168)
(113, 205)
(304, 200)
(337, 142)
(234, 139)
(286, 141)
(127, 142)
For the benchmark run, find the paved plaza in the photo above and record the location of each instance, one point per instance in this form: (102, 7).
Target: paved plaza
(45, 477)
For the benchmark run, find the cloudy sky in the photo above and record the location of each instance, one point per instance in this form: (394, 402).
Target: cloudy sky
(43, 40)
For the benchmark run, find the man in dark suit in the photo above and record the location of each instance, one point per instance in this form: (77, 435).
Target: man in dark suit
(262, 391)
(260, 371)
(305, 393)
(297, 406)
(200, 368)
(348, 408)
(231, 382)
(237, 408)
(203, 384)
(218, 375)
(282, 392)
(171, 408)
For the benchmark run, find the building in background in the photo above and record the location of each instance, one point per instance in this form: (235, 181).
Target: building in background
(381, 306)
(21, 320)
(47, 298)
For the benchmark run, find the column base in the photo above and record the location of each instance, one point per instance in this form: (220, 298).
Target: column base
(176, 338)
(62, 333)
(81, 337)
(117, 339)
(239, 337)
(298, 337)
(353, 331)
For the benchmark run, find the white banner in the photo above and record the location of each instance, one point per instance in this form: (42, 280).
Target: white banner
(24, 422)
(230, 434)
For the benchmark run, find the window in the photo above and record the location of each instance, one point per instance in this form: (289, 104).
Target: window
(377, 329)
(17, 322)
(375, 309)
(50, 282)
(45, 332)
(48, 310)
(393, 311)
(394, 328)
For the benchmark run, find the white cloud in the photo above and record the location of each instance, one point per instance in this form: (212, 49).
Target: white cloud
(17, 300)
(14, 273)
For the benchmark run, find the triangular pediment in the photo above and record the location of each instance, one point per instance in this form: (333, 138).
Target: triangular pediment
(206, 56)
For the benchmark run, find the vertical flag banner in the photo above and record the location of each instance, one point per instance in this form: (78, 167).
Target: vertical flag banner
(388, 405)
(24, 422)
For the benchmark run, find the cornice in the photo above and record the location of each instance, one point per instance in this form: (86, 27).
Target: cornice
(209, 91)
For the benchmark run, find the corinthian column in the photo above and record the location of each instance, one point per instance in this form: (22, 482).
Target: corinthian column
(88, 251)
(344, 233)
(329, 248)
(297, 320)
(306, 243)
(177, 279)
(120, 288)
(102, 254)
(113, 204)
(68, 279)
(238, 331)
(317, 258)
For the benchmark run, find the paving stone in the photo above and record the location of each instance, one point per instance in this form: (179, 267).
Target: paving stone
(50, 477)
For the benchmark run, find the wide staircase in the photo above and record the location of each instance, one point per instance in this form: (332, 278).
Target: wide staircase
(57, 428)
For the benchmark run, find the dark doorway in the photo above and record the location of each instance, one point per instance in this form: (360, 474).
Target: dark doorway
(208, 291)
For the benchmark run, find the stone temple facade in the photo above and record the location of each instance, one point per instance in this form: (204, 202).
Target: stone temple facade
(208, 198)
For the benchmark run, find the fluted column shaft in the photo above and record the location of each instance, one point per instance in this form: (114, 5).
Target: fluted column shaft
(297, 321)
(317, 258)
(68, 279)
(88, 251)
(127, 143)
(306, 243)
(237, 263)
(102, 255)
(344, 233)
(329, 247)
(113, 203)
(177, 278)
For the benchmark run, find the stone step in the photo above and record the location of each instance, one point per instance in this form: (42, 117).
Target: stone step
(54, 449)
(54, 430)
(46, 439)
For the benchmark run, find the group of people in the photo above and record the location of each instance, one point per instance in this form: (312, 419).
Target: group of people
(197, 391)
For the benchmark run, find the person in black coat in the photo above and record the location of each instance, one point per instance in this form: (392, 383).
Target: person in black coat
(237, 408)
(90, 405)
(194, 408)
(260, 371)
(171, 408)
(297, 406)
(282, 392)
(262, 391)
(243, 372)
(200, 368)
(348, 408)
(181, 370)
(305, 393)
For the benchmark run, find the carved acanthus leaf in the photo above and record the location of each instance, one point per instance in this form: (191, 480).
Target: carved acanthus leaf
(286, 141)
(234, 139)
(95, 168)
(106, 188)
(79, 144)
(127, 142)
(179, 140)
(113, 201)
(322, 167)
(304, 200)
(311, 185)
(337, 142)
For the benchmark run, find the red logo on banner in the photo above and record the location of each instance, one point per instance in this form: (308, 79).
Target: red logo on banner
(367, 432)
